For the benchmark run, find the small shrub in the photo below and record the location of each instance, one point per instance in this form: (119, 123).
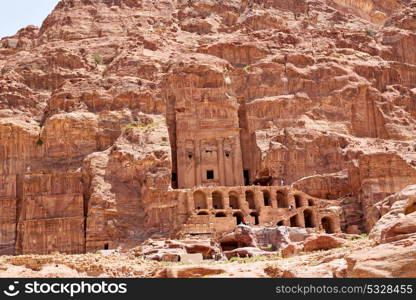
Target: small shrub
(39, 142)
(98, 58)
(246, 68)
(144, 125)
(370, 32)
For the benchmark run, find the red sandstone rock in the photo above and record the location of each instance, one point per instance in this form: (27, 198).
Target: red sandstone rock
(246, 252)
(322, 242)
(402, 227)
(394, 217)
(386, 260)
(291, 250)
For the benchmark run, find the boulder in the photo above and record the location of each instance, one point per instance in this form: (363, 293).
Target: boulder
(322, 242)
(384, 261)
(247, 252)
(398, 220)
(400, 229)
(291, 250)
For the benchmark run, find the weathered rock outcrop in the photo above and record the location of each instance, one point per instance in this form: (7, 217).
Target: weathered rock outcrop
(395, 232)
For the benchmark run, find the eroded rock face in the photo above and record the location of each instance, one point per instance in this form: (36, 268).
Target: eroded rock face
(386, 260)
(111, 106)
(272, 239)
(395, 232)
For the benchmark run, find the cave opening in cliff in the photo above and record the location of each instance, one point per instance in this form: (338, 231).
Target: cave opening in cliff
(311, 202)
(246, 174)
(327, 224)
(220, 215)
(281, 199)
(239, 218)
(233, 199)
(256, 218)
(298, 201)
(106, 246)
(293, 222)
(280, 223)
(250, 199)
(217, 200)
(266, 198)
(200, 200)
(309, 221)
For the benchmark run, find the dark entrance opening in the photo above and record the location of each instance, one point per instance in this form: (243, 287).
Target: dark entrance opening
(266, 198)
(293, 221)
(239, 218)
(281, 199)
(280, 223)
(210, 174)
(327, 225)
(256, 218)
(309, 223)
(250, 199)
(106, 246)
(174, 181)
(229, 245)
(246, 174)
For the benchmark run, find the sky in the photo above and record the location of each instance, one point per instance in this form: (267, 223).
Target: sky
(16, 14)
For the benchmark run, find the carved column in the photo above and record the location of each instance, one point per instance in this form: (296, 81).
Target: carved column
(300, 219)
(226, 199)
(190, 201)
(221, 166)
(273, 198)
(198, 178)
(258, 198)
(243, 203)
(237, 163)
(209, 200)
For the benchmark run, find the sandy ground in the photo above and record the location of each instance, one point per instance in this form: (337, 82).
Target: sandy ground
(313, 264)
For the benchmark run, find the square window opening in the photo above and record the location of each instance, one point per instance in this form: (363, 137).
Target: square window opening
(210, 174)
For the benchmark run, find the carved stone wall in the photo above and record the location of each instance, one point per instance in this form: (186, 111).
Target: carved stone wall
(215, 210)
(204, 127)
(52, 214)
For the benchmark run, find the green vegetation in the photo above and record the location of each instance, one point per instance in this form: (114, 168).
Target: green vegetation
(144, 125)
(246, 68)
(98, 58)
(370, 32)
(39, 142)
(254, 258)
